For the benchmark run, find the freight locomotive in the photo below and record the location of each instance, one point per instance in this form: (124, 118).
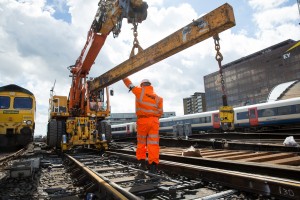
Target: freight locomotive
(17, 116)
(268, 116)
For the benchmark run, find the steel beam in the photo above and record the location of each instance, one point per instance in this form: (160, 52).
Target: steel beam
(205, 27)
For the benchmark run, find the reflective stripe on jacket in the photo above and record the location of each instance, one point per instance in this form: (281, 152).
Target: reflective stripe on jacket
(147, 103)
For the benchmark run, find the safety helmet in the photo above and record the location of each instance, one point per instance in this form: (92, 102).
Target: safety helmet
(145, 81)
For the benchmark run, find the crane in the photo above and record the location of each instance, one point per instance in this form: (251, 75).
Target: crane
(80, 119)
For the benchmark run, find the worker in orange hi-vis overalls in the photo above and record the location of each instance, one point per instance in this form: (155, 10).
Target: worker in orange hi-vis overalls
(149, 107)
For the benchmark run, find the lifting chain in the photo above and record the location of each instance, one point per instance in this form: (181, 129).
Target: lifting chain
(219, 58)
(226, 112)
(136, 43)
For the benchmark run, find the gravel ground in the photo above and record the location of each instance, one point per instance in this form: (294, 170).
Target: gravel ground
(48, 180)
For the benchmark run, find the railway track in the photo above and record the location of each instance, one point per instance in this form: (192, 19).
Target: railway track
(218, 174)
(275, 164)
(204, 174)
(230, 141)
(279, 136)
(7, 156)
(250, 145)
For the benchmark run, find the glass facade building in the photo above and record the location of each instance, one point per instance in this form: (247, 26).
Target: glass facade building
(250, 79)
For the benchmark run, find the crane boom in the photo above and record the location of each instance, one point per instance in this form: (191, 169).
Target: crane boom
(207, 26)
(108, 19)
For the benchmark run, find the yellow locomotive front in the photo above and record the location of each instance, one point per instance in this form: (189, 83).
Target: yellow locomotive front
(17, 116)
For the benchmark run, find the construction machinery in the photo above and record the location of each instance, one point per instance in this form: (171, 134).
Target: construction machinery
(80, 118)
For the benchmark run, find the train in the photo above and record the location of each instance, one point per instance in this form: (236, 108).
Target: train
(125, 130)
(276, 115)
(17, 116)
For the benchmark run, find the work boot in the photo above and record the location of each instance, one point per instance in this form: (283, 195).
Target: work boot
(142, 166)
(140, 175)
(153, 168)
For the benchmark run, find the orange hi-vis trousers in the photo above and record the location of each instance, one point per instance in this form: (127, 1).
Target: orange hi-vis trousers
(148, 139)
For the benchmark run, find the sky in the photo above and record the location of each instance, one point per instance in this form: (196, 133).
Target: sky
(39, 39)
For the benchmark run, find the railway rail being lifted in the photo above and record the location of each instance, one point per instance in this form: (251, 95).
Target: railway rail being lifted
(79, 120)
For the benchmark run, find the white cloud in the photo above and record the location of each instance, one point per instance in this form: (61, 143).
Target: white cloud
(155, 2)
(266, 4)
(275, 17)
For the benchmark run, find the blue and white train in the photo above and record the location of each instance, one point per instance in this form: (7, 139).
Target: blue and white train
(125, 130)
(265, 116)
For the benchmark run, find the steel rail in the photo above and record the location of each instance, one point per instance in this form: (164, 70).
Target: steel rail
(247, 167)
(99, 180)
(218, 143)
(256, 183)
(123, 191)
(4, 160)
(224, 144)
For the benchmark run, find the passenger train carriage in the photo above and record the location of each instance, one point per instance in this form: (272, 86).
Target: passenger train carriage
(259, 117)
(266, 116)
(17, 116)
(125, 130)
(206, 121)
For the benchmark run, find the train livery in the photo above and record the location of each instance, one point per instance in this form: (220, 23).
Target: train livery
(17, 116)
(125, 130)
(259, 117)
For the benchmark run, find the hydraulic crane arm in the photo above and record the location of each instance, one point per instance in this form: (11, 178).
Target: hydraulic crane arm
(207, 26)
(108, 19)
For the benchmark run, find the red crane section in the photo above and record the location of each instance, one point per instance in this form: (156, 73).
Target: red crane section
(81, 69)
(108, 19)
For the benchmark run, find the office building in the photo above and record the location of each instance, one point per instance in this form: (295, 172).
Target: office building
(251, 79)
(194, 104)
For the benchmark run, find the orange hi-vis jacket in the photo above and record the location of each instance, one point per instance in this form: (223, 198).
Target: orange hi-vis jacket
(147, 103)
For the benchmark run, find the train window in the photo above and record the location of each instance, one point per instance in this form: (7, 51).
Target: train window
(188, 121)
(119, 129)
(269, 112)
(252, 114)
(170, 123)
(297, 108)
(22, 103)
(208, 119)
(196, 121)
(4, 102)
(216, 118)
(242, 115)
(285, 110)
(202, 119)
